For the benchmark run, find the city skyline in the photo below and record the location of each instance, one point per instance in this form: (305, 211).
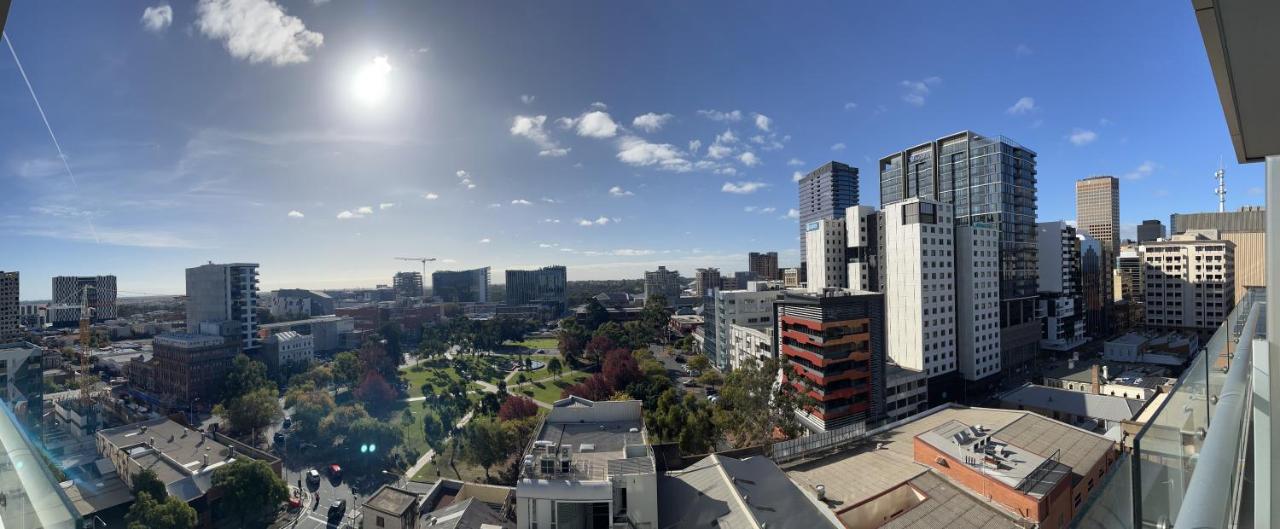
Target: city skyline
(177, 166)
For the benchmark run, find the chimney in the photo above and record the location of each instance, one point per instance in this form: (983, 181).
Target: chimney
(1096, 377)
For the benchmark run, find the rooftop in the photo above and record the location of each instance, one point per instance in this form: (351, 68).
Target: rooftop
(594, 439)
(720, 491)
(393, 500)
(974, 445)
(1141, 375)
(182, 459)
(1106, 407)
(466, 514)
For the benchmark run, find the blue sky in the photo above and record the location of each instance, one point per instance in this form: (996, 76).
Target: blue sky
(510, 134)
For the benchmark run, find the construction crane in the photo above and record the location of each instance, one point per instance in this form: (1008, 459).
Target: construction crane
(85, 317)
(422, 260)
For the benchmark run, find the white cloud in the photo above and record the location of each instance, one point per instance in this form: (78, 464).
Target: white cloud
(769, 209)
(716, 115)
(157, 18)
(694, 145)
(793, 213)
(850, 105)
(650, 122)
(527, 99)
(386, 205)
(545, 245)
(1082, 137)
(1022, 50)
(549, 200)
(1142, 171)
(760, 210)
(430, 196)
(618, 191)
(521, 202)
(838, 146)
(795, 162)
(917, 91)
(797, 176)
(594, 124)
(295, 214)
(600, 221)
(638, 152)
(742, 188)
(726, 170)
(531, 127)
(550, 221)
(749, 159)
(484, 240)
(632, 252)
(726, 138)
(1022, 106)
(347, 214)
(365, 210)
(763, 122)
(716, 151)
(599, 106)
(257, 30)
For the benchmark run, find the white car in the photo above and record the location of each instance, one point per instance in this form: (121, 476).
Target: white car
(313, 476)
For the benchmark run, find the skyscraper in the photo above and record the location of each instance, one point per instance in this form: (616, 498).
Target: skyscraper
(67, 291)
(225, 293)
(665, 283)
(706, 279)
(827, 261)
(407, 284)
(988, 180)
(763, 265)
(863, 237)
(1098, 211)
(1061, 294)
(9, 307)
(1150, 230)
(465, 286)
(544, 286)
(825, 193)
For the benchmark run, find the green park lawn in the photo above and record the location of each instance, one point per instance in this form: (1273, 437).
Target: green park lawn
(439, 375)
(536, 343)
(548, 390)
(459, 470)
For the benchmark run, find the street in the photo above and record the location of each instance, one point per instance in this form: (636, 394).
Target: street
(316, 516)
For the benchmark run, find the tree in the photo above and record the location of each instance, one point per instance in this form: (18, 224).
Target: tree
(710, 378)
(595, 387)
(251, 411)
(377, 357)
(147, 512)
(685, 420)
(249, 488)
(245, 376)
(370, 441)
(597, 315)
(393, 336)
(319, 376)
(620, 369)
(572, 339)
(340, 419)
(649, 388)
(655, 315)
(517, 407)
(485, 442)
(310, 406)
(346, 368)
(699, 362)
(146, 481)
(502, 386)
(748, 408)
(599, 345)
(555, 367)
(614, 332)
(375, 392)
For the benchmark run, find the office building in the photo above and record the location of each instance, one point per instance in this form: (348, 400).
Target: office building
(294, 303)
(1098, 210)
(329, 334)
(665, 283)
(547, 287)
(68, 292)
(9, 331)
(764, 265)
(407, 284)
(826, 262)
(706, 279)
(825, 194)
(919, 294)
(791, 278)
(750, 343)
(22, 384)
(1061, 294)
(863, 235)
(1190, 281)
(751, 307)
(33, 315)
(1130, 276)
(225, 292)
(978, 304)
(965, 170)
(1245, 229)
(1150, 230)
(589, 465)
(465, 286)
(832, 347)
(281, 349)
(189, 368)
(1095, 286)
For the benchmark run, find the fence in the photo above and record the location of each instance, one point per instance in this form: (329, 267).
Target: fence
(799, 447)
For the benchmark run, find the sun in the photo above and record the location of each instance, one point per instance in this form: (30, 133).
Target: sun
(370, 83)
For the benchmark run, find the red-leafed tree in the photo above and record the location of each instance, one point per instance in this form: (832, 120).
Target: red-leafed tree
(594, 387)
(621, 369)
(375, 392)
(598, 347)
(517, 407)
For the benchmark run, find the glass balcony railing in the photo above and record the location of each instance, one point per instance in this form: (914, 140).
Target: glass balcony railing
(29, 495)
(1201, 426)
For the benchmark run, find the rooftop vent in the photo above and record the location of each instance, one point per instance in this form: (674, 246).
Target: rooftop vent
(821, 490)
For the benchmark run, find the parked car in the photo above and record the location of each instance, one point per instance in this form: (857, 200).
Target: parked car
(337, 508)
(313, 476)
(335, 471)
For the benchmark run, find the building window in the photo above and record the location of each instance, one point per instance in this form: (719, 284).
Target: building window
(381, 522)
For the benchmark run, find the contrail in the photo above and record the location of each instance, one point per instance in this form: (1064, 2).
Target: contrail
(48, 127)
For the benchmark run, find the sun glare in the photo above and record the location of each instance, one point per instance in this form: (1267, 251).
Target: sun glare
(370, 83)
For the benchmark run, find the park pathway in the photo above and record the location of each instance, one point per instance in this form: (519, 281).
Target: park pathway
(426, 458)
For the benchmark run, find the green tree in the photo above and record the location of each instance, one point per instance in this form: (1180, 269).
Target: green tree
(310, 406)
(145, 481)
(340, 419)
(597, 315)
(250, 488)
(572, 339)
(485, 442)
(393, 336)
(685, 420)
(699, 362)
(245, 376)
(346, 368)
(147, 512)
(555, 367)
(372, 440)
(251, 411)
(750, 410)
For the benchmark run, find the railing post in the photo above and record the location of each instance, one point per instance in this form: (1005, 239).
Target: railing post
(1266, 493)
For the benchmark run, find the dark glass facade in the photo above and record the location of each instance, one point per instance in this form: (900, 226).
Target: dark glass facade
(467, 286)
(546, 286)
(824, 194)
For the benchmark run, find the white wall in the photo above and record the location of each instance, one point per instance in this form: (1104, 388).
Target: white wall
(920, 289)
(978, 301)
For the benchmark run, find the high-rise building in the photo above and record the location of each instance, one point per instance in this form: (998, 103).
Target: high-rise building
(832, 348)
(1095, 286)
(9, 317)
(300, 303)
(1098, 210)
(407, 284)
(825, 194)
(1150, 230)
(1245, 228)
(64, 311)
(988, 180)
(705, 279)
(919, 291)
(752, 307)
(191, 367)
(1061, 295)
(22, 387)
(219, 293)
(462, 286)
(663, 282)
(977, 257)
(1130, 276)
(547, 286)
(763, 265)
(1190, 281)
(863, 236)
(826, 261)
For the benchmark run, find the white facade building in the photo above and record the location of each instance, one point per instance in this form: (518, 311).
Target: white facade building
(861, 227)
(920, 297)
(1190, 281)
(825, 244)
(752, 307)
(749, 342)
(978, 301)
(1061, 302)
(288, 347)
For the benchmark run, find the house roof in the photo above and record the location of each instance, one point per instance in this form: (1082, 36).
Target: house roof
(720, 491)
(1106, 407)
(392, 500)
(465, 514)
